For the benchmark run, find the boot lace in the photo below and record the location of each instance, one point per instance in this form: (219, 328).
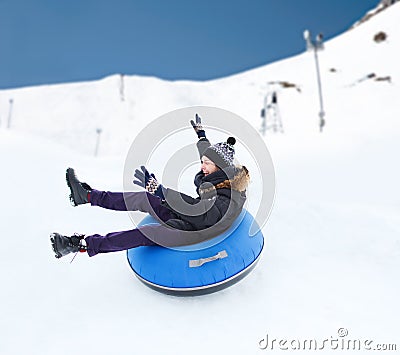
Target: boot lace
(80, 246)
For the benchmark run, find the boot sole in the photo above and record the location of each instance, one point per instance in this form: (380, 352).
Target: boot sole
(71, 195)
(58, 255)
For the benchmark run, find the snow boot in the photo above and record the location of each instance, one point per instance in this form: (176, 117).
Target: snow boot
(63, 245)
(80, 191)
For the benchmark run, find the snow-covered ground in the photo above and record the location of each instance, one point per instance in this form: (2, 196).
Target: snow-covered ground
(332, 253)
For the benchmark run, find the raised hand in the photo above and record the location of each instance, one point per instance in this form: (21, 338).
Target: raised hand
(198, 128)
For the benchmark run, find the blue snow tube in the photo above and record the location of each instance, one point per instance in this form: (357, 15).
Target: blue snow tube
(200, 268)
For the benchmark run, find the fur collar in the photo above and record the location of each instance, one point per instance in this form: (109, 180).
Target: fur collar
(238, 182)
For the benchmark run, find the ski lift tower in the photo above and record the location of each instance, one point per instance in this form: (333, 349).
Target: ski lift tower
(271, 118)
(96, 151)
(316, 46)
(10, 109)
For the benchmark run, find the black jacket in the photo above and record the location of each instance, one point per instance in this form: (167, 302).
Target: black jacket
(221, 196)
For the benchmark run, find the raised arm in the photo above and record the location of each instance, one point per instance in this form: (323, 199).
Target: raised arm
(203, 143)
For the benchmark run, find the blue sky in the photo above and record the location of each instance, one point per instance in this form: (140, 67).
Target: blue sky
(55, 41)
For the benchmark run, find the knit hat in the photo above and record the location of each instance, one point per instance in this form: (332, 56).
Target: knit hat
(221, 153)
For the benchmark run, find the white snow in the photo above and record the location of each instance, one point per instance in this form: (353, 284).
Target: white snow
(332, 252)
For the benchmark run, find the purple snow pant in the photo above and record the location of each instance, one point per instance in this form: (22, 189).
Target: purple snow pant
(127, 201)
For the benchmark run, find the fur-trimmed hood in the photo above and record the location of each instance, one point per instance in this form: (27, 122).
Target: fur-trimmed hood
(235, 178)
(239, 182)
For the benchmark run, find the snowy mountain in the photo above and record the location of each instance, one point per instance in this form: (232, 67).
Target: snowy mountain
(332, 250)
(383, 5)
(121, 105)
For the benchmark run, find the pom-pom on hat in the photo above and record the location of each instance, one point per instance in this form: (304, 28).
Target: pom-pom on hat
(221, 153)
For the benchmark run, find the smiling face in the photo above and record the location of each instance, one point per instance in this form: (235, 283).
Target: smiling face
(207, 166)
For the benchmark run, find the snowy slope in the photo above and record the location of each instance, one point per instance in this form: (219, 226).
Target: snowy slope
(332, 242)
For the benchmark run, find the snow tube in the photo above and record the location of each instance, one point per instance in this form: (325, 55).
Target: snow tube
(200, 268)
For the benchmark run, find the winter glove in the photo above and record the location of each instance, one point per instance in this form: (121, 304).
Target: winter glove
(148, 181)
(198, 128)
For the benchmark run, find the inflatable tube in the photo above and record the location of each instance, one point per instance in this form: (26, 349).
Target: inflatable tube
(200, 268)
